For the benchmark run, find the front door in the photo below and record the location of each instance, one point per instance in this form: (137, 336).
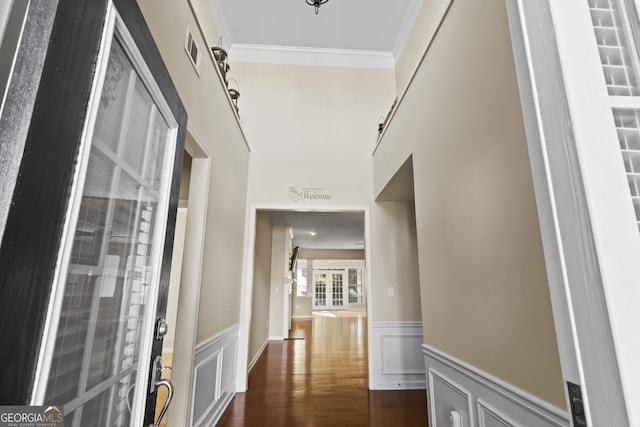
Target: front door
(98, 325)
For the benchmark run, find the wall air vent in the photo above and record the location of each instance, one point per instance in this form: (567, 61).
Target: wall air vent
(193, 52)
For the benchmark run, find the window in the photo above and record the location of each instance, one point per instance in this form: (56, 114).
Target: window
(355, 286)
(301, 278)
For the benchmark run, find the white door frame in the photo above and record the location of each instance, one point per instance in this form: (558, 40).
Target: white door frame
(567, 122)
(186, 326)
(247, 281)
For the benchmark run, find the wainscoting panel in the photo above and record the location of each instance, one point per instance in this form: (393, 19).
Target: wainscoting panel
(481, 399)
(447, 394)
(214, 377)
(397, 360)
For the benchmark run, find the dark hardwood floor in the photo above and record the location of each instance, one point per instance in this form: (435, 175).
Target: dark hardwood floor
(319, 378)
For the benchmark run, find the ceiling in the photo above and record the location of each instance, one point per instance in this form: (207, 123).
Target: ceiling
(355, 26)
(323, 230)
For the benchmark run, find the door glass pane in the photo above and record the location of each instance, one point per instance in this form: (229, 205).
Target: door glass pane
(337, 290)
(355, 286)
(320, 289)
(111, 275)
(301, 278)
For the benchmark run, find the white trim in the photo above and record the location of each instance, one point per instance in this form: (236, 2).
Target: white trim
(257, 356)
(218, 347)
(433, 374)
(247, 280)
(612, 297)
(216, 339)
(542, 410)
(485, 408)
(407, 25)
(222, 403)
(266, 54)
(218, 356)
(191, 279)
(302, 317)
(397, 373)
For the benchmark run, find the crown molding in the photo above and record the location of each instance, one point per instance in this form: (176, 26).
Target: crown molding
(310, 56)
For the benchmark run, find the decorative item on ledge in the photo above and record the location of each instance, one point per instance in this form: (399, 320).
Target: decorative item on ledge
(220, 55)
(316, 4)
(234, 94)
(382, 123)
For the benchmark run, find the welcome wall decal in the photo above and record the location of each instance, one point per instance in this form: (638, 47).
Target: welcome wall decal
(306, 194)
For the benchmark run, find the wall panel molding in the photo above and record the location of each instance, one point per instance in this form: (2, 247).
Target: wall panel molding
(397, 360)
(214, 377)
(490, 401)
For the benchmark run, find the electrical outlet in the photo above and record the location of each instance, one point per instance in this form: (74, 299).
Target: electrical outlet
(391, 292)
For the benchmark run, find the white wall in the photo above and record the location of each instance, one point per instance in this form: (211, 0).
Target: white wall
(311, 127)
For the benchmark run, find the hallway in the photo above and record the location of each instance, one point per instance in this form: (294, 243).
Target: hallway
(319, 378)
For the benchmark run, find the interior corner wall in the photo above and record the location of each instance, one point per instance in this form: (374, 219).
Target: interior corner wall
(280, 249)
(394, 265)
(484, 291)
(214, 126)
(260, 301)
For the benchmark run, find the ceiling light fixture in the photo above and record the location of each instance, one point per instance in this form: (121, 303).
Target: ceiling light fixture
(316, 4)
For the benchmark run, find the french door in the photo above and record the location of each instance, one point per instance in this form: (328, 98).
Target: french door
(89, 298)
(329, 289)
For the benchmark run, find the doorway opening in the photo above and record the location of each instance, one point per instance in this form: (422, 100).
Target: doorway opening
(185, 281)
(305, 264)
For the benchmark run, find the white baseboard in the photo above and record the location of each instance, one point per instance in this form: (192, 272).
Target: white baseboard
(214, 377)
(481, 399)
(257, 356)
(219, 409)
(398, 363)
(308, 317)
(277, 338)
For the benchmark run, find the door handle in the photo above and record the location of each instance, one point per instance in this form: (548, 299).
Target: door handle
(169, 385)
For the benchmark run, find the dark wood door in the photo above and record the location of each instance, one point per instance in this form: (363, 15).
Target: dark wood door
(86, 249)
